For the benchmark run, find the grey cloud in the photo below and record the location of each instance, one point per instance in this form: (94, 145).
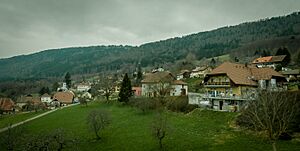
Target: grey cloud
(33, 25)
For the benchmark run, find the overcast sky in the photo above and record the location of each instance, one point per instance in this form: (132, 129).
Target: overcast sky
(28, 26)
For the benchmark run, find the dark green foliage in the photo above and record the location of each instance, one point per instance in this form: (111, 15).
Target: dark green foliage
(44, 90)
(55, 86)
(126, 90)
(298, 58)
(265, 53)
(139, 76)
(278, 67)
(284, 51)
(68, 80)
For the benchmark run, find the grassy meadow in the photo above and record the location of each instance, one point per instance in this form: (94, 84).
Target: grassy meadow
(130, 129)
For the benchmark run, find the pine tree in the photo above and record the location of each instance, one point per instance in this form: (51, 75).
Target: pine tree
(139, 76)
(126, 90)
(68, 80)
(287, 59)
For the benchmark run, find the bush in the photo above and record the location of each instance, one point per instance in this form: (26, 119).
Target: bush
(190, 107)
(144, 104)
(177, 104)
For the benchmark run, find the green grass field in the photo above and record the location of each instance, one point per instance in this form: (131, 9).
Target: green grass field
(6, 120)
(131, 130)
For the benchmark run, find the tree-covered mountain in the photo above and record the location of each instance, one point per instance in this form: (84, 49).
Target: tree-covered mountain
(95, 59)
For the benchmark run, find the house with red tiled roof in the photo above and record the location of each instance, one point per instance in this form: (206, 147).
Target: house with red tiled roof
(230, 84)
(163, 83)
(268, 61)
(64, 98)
(7, 105)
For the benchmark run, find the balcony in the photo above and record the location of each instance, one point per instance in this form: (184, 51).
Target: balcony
(216, 84)
(227, 97)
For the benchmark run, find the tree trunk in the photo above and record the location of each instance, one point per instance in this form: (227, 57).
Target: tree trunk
(274, 145)
(160, 144)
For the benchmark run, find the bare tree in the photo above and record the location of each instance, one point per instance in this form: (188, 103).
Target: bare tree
(161, 91)
(271, 112)
(12, 137)
(97, 120)
(83, 101)
(159, 128)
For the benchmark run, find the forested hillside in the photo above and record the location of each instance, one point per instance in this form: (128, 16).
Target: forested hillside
(95, 59)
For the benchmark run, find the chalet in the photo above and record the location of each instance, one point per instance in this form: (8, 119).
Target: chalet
(162, 83)
(7, 105)
(83, 87)
(46, 98)
(64, 98)
(200, 71)
(269, 61)
(230, 84)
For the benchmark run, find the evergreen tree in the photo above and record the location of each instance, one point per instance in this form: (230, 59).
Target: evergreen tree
(139, 76)
(298, 58)
(265, 53)
(68, 80)
(55, 86)
(126, 90)
(284, 51)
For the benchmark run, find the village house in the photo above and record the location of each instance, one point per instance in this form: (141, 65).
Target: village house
(292, 75)
(46, 98)
(230, 84)
(83, 87)
(200, 71)
(137, 91)
(6, 105)
(183, 74)
(269, 61)
(163, 83)
(63, 98)
(25, 102)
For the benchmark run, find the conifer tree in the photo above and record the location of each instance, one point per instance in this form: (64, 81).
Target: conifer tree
(126, 90)
(284, 51)
(68, 80)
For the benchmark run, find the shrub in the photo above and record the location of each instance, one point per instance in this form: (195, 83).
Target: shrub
(144, 104)
(177, 104)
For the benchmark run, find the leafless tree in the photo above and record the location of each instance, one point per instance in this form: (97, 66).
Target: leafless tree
(83, 101)
(159, 128)
(271, 112)
(97, 120)
(12, 137)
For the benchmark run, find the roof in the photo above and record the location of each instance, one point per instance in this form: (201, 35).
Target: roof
(64, 97)
(6, 104)
(244, 74)
(46, 95)
(164, 76)
(200, 69)
(269, 59)
(291, 72)
(178, 82)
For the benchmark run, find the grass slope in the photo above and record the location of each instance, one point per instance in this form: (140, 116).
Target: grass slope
(6, 120)
(130, 130)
